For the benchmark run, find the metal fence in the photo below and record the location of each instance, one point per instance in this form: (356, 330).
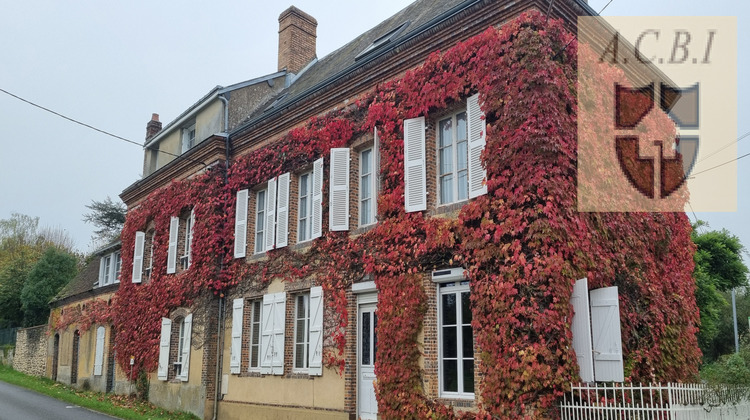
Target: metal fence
(655, 401)
(8, 336)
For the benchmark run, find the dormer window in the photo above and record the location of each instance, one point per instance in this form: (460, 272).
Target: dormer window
(188, 138)
(109, 269)
(385, 39)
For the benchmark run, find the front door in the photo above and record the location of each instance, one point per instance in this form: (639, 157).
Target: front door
(367, 405)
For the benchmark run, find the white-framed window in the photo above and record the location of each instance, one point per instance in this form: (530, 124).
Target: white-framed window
(260, 221)
(455, 340)
(452, 158)
(179, 363)
(366, 188)
(188, 138)
(109, 269)
(304, 230)
(301, 332)
(255, 325)
(150, 267)
(186, 258)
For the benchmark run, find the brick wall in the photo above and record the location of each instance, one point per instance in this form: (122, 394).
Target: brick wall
(31, 351)
(297, 35)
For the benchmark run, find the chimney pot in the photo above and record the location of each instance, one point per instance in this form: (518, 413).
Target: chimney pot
(297, 37)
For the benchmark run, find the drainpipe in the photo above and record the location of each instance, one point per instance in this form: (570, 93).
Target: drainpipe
(220, 326)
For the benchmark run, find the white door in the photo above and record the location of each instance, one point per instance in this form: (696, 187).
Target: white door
(367, 405)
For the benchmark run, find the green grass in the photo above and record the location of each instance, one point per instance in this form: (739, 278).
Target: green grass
(121, 406)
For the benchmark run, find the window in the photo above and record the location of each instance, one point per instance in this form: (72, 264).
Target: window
(109, 269)
(260, 218)
(305, 207)
(118, 266)
(366, 188)
(188, 138)
(150, 266)
(301, 331)
(178, 364)
(186, 259)
(255, 310)
(179, 360)
(456, 341)
(453, 174)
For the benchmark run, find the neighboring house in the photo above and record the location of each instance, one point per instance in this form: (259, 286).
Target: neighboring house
(79, 354)
(281, 325)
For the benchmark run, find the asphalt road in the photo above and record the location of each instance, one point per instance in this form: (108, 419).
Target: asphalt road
(21, 404)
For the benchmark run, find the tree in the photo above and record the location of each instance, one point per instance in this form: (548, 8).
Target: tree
(718, 269)
(14, 270)
(53, 271)
(108, 216)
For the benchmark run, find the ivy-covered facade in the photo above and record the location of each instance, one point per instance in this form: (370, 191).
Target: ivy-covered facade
(395, 233)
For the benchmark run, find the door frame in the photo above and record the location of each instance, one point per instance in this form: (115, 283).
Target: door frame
(367, 296)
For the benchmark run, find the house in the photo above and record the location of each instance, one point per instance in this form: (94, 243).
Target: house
(390, 231)
(80, 349)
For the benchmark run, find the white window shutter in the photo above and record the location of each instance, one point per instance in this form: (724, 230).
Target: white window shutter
(166, 333)
(338, 209)
(236, 348)
(270, 215)
(282, 211)
(415, 183)
(279, 324)
(174, 229)
(240, 224)
(99, 353)
(581, 328)
(317, 200)
(140, 239)
(477, 134)
(186, 348)
(376, 171)
(605, 325)
(315, 354)
(190, 235)
(266, 335)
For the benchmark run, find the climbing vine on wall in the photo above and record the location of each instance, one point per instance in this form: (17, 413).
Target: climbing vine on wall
(523, 244)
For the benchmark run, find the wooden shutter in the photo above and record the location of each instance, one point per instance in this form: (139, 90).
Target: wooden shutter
(188, 326)
(581, 328)
(190, 237)
(338, 211)
(166, 333)
(317, 200)
(279, 326)
(99, 354)
(315, 354)
(240, 225)
(605, 325)
(282, 212)
(140, 239)
(236, 347)
(415, 184)
(271, 215)
(477, 134)
(266, 335)
(174, 229)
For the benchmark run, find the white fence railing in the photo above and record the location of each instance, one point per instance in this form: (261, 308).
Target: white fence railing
(655, 401)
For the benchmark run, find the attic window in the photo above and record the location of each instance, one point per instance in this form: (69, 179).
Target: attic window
(276, 102)
(385, 39)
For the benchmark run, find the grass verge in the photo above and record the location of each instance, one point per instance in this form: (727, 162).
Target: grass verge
(121, 406)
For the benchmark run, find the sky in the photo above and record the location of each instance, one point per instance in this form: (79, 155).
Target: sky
(112, 64)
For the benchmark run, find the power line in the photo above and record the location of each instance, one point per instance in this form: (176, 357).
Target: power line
(725, 146)
(720, 165)
(92, 127)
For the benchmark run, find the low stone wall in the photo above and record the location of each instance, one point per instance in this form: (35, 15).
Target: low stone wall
(6, 355)
(31, 351)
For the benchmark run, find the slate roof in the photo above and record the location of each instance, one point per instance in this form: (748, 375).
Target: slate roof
(420, 15)
(83, 283)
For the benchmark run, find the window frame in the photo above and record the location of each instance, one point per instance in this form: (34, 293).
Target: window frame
(305, 319)
(149, 270)
(187, 141)
(185, 259)
(456, 288)
(256, 306)
(308, 207)
(454, 173)
(372, 184)
(260, 215)
(178, 362)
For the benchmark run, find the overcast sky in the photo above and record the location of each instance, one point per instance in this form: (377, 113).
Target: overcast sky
(111, 64)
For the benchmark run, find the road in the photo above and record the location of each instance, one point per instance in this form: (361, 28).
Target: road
(21, 404)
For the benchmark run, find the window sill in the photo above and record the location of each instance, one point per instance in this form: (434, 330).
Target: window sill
(251, 374)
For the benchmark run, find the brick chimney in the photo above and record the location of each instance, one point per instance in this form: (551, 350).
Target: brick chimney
(297, 34)
(153, 126)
